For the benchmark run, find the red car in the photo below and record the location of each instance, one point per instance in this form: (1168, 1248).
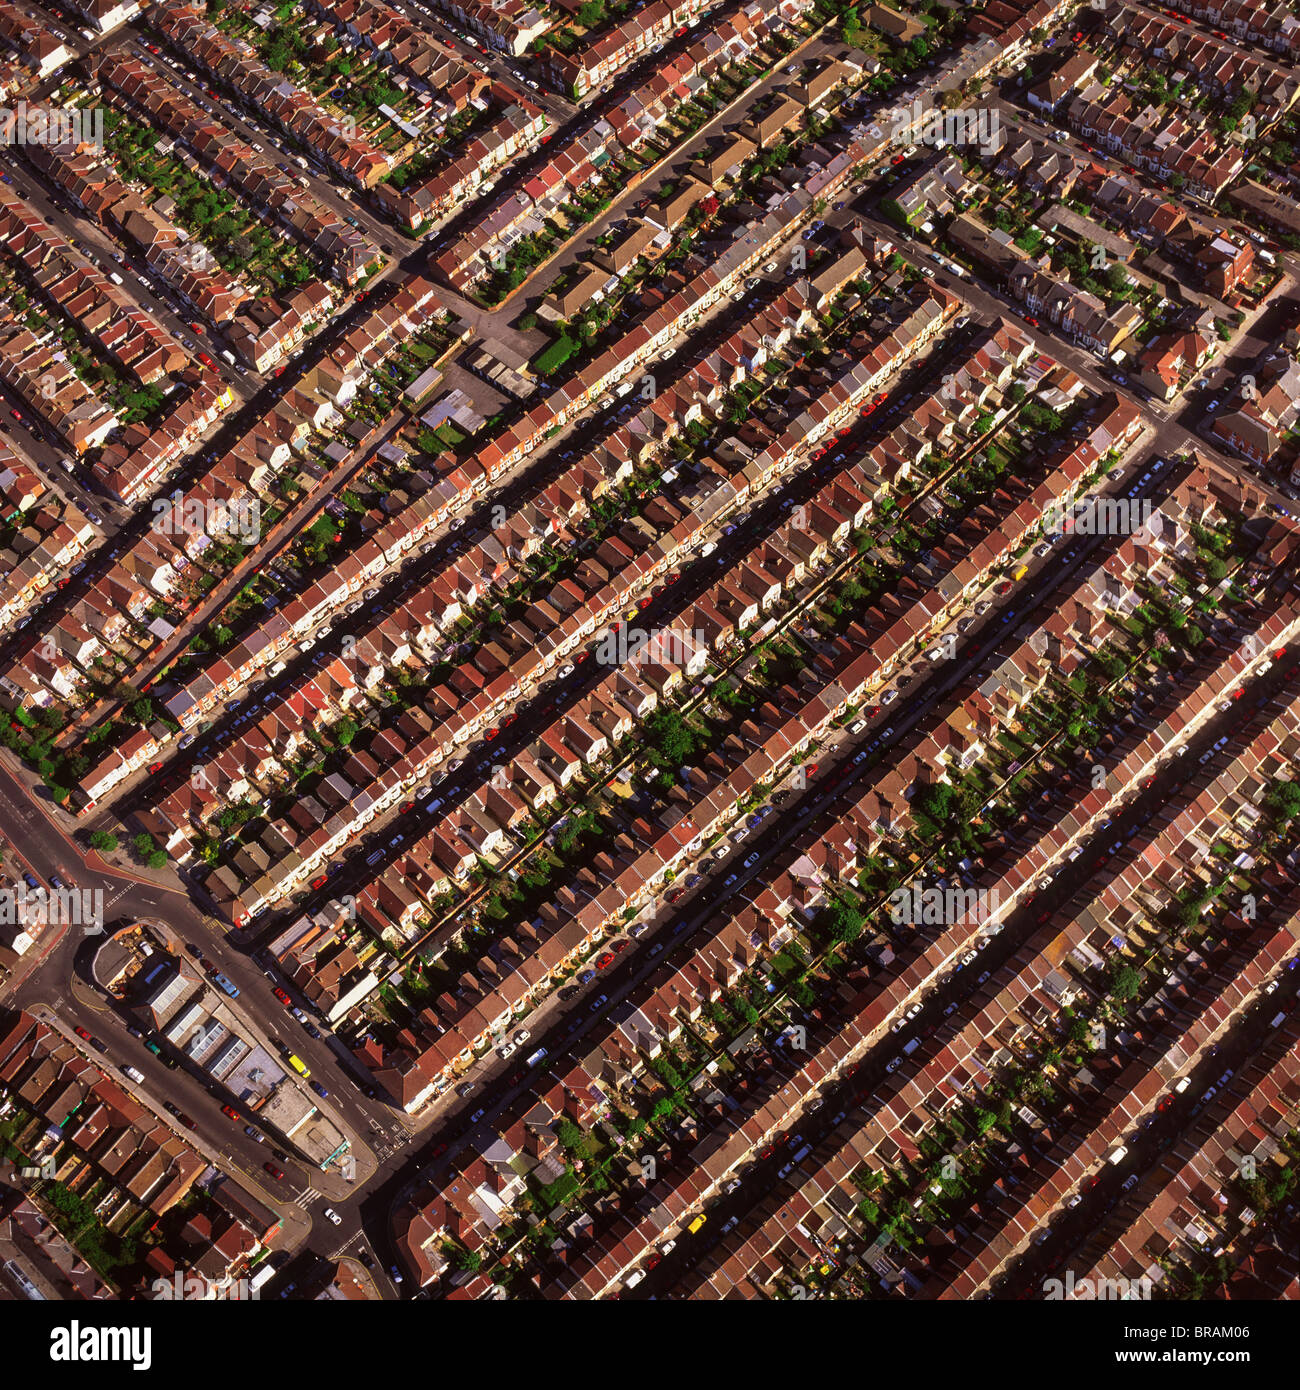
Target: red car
(15, 414)
(320, 882)
(1005, 587)
(581, 657)
(81, 1033)
(510, 718)
(276, 1173)
(619, 946)
(231, 1111)
(676, 894)
(811, 770)
(207, 361)
(282, 997)
(491, 734)
(605, 960)
(898, 159)
(279, 371)
(1031, 321)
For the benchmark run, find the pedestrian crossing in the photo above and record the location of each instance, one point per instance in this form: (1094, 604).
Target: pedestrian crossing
(305, 1199)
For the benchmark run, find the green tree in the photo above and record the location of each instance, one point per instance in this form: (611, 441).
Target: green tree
(844, 919)
(1125, 981)
(894, 210)
(103, 839)
(1283, 800)
(670, 738)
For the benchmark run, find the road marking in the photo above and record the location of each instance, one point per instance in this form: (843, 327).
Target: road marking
(305, 1199)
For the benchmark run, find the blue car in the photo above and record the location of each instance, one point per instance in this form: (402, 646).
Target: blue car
(318, 1088)
(586, 977)
(31, 881)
